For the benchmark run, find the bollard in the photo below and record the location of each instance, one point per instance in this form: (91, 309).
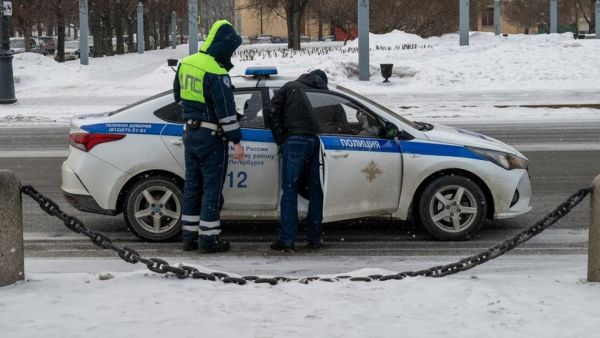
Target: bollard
(594, 239)
(12, 265)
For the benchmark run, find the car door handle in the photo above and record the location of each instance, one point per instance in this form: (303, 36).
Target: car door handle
(177, 142)
(340, 154)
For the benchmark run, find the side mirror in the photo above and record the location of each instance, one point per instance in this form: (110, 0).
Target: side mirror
(172, 62)
(392, 131)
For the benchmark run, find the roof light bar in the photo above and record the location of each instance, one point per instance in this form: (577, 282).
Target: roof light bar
(261, 71)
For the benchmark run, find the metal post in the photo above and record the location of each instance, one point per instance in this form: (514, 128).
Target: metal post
(84, 48)
(140, 28)
(597, 21)
(7, 83)
(193, 22)
(363, 40)
(594, 234)
(553, 16)
(174, 30)
(12, 265)
(464, 22)
(497, 17)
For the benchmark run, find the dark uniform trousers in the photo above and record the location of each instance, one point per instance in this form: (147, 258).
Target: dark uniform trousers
(206, 158)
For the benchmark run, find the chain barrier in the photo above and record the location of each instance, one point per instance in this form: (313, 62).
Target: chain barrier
(160, 266)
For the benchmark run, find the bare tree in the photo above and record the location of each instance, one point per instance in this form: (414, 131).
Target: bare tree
(292, 11)
(527, 13)
(23, 21)
(60, 20)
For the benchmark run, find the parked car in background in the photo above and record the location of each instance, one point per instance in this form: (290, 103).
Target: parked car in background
(264, 39)
(329, 38)
(71, 50)
(17, 46)
(245, 40)
(279, 39)
(47, 44)
(305, 38)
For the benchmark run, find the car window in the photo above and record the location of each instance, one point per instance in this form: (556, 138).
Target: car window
(249, 104)
(72, 44)
(18, 43)
(338, 115)
(170, 113)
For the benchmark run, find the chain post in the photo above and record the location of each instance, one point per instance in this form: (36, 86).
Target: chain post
(12, 264)
(594, 233)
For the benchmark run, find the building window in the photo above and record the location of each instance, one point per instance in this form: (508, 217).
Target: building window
(488, 17)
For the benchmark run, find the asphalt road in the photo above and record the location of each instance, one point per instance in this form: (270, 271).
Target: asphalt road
(563, 158)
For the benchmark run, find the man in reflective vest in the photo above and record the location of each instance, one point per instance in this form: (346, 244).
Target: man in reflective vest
(203, 88)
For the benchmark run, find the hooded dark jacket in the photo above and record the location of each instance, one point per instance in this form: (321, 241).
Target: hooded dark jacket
(217, 92)
(289, 113)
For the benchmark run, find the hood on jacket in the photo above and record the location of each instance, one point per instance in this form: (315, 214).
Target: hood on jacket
(314, 80)
(221, 42)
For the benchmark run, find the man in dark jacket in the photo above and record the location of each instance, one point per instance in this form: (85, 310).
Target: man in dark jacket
(295, 128)
(203, 87)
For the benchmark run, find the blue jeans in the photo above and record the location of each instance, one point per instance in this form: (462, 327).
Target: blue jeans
(206, 157)
(301, 164)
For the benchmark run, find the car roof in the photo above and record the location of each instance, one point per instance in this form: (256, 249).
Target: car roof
(242, 81)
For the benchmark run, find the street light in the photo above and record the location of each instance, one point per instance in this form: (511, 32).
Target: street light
(7, 83)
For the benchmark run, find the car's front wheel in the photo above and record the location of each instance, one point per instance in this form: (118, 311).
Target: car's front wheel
(152, 208)
(452, 208)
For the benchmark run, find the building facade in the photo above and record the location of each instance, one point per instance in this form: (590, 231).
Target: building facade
(253, 22)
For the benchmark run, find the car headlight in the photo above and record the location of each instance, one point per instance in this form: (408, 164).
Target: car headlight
(505, 160)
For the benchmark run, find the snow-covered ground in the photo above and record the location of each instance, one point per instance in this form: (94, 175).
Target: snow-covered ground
(521, 296)
(438, 77)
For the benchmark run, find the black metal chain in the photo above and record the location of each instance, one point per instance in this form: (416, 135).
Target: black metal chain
(181, 271)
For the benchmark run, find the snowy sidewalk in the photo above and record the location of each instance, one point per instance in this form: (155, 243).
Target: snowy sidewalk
(534, 296)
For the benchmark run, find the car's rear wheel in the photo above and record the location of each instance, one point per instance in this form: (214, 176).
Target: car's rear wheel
(452, 208)
(152, 208)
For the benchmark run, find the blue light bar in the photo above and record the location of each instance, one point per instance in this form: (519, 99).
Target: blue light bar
(261, 71)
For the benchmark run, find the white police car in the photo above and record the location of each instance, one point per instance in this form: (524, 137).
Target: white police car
(450, 180)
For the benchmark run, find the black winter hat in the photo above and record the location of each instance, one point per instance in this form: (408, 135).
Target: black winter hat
(320, 74)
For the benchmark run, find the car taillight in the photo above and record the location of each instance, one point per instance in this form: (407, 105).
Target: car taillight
(86, 142)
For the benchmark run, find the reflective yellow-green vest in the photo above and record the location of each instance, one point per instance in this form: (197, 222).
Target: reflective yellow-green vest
(193, 68)
(191, 75)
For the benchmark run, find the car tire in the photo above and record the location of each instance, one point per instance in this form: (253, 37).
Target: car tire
(152, 209)
(452, 208)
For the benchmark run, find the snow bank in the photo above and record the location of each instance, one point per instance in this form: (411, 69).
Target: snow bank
(541, 296)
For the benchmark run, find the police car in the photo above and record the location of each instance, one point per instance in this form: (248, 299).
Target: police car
(450, 180)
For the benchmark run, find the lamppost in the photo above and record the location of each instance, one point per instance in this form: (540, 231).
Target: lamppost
(7, 83)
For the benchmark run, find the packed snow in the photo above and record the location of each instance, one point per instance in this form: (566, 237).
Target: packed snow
(433, 79)
(523, 296)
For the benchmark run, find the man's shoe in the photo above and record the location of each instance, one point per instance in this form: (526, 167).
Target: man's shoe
(280, 246)
(189, 246)
(314, 245)
(215, 246)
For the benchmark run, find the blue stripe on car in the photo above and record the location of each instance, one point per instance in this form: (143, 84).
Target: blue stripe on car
(264, 135)
(433, 149)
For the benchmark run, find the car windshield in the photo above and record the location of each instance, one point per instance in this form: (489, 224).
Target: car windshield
(372, 103)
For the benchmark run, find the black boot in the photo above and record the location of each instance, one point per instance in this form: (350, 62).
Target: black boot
(280, 246)
(189, 241)
(213, 244)
(189, 246)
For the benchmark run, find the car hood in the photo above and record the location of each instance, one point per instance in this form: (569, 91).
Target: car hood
(447, 134)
